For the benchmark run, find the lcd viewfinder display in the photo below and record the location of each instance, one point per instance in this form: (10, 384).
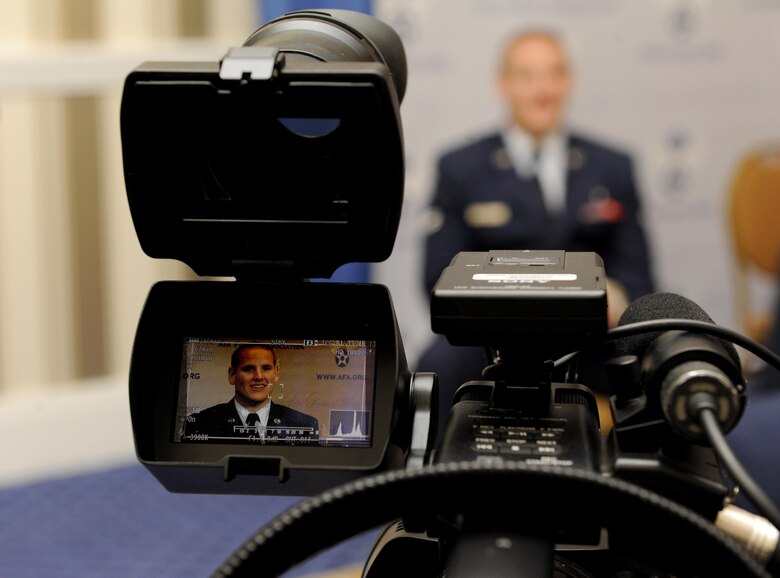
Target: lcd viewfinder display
(276, 392)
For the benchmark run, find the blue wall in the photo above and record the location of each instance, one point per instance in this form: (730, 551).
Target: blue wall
(270, 9)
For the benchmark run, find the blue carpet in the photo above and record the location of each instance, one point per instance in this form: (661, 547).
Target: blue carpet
(122, 523)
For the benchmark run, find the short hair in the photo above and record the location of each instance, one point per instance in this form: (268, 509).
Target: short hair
(527, 34)
(237, 352)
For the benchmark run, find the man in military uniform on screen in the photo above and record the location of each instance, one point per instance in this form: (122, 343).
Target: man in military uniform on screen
(254, 372)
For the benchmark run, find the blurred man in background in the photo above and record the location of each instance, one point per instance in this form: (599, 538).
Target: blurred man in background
(534, 184)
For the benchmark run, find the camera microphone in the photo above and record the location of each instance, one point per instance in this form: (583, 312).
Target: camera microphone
(680, 368)
(694, 379)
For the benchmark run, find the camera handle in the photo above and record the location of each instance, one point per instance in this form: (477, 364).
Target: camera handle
(511, 491)
(493, 554)
(488, 554)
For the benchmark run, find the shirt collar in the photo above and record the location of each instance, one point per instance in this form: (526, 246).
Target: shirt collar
(524, 155)
(263, 413)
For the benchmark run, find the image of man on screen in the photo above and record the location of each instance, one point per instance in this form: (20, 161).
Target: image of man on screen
(254, 372)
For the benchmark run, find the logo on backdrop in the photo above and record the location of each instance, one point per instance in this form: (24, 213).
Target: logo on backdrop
(683, 20)
(342, 358)
(683, 33)
(676, 176)
(676, 180)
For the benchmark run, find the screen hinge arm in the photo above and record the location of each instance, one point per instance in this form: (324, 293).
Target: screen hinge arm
(250, 62)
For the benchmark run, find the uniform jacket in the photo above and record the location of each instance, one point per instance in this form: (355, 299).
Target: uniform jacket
(220, 420)
(480, 203)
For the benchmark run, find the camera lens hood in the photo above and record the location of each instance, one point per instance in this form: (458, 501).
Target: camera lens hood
(336, 36)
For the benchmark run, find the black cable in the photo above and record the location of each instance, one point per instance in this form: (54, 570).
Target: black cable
(656, 325)
(704, 406)
(734, 337)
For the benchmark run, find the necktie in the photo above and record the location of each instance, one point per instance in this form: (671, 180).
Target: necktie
(538, 193)
(536, 180)
(252, 419)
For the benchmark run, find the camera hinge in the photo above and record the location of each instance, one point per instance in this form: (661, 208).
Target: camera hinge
(266, 270)
(250, 62)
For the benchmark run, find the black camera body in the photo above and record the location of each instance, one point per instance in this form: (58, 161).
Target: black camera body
(563, 433)
(529, 309)
(524, 306)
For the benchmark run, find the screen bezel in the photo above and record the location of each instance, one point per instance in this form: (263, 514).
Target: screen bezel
(176, 309)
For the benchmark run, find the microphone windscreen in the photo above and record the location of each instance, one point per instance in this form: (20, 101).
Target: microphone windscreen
(661, 306)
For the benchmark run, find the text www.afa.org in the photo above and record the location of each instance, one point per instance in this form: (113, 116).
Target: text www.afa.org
(341, 377)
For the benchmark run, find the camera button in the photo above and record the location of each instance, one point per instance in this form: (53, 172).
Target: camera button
(551, 450)
(485, 440)
(521, 448)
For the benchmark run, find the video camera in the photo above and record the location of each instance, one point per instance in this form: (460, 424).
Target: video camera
(284, 161)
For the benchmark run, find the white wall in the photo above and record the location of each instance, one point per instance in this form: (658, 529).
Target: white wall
(81, 427)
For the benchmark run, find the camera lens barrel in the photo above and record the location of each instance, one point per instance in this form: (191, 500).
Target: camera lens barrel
(336, 36)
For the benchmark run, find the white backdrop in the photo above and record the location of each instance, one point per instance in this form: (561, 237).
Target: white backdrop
(688, 87)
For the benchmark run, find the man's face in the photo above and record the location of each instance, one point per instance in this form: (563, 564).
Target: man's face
(535, 83)
(254, 377)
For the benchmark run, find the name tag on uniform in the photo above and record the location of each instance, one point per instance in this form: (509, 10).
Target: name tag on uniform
(487, 214)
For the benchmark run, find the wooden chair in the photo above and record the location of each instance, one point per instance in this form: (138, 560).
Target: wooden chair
(754, 213)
